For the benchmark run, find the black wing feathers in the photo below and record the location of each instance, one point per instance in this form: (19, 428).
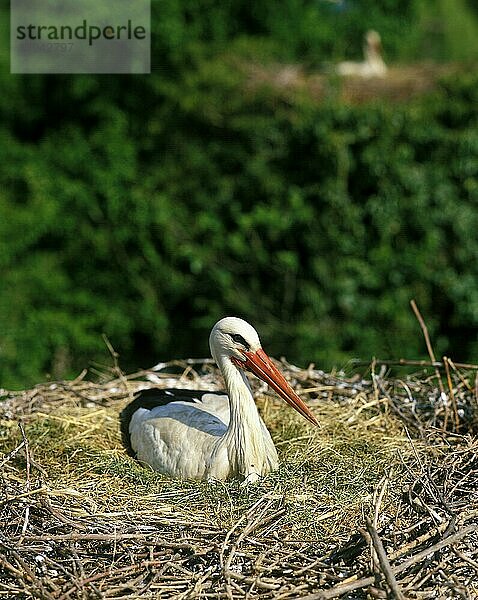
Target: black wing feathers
(152, 398)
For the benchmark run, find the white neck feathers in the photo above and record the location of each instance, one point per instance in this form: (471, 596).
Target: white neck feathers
(249, 445)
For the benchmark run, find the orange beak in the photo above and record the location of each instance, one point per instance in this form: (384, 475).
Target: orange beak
(261, 365)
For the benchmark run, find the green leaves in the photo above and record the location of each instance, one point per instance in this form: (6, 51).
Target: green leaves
(146, 208)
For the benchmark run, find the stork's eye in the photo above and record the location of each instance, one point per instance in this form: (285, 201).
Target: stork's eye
(237, 337)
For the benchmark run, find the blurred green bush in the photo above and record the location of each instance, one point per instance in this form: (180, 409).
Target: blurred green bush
(147, 207)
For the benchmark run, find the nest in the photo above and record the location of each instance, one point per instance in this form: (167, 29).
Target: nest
(380, 501)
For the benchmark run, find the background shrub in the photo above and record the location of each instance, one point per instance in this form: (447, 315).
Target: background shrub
(147, 207)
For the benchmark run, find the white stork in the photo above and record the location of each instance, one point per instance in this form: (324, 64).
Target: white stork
(209, 435)
(373, 65)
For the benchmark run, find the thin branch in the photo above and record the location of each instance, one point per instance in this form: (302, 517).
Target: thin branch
(456, 418)
(427, 341)
(27, 482)
(383, 560)
(100, 537)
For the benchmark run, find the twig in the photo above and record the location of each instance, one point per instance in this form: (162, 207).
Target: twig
(260, 583)
(383, 560)
(378, 499)
(427, 342)
(464, 381)
(377, 503)
(116, 368)
(27, 483)
(466, 559)
(12, 454)
(147, 539)
(438, 530)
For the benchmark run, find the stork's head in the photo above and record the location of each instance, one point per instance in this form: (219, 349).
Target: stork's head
(235, 340)
(373, 40)
(232, 337)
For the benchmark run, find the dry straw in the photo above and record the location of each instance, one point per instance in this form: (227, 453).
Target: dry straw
(381, 501)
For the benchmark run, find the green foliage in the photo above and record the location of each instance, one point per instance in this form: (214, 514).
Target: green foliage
(147, 207)
(447, 29)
